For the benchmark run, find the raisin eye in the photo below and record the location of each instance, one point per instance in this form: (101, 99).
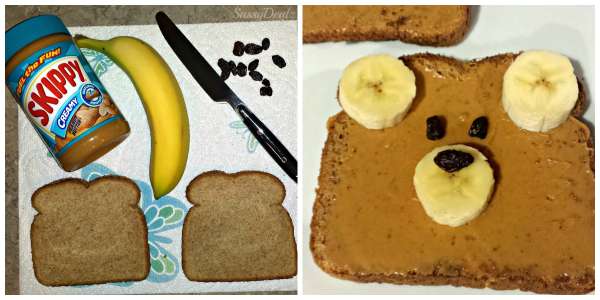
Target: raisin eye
(479, 128)
(435, 128)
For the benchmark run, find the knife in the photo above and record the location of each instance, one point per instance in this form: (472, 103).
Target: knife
(218, 90)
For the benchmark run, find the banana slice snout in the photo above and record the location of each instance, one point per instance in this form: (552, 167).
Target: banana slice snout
(377, 91)
(539, 90)
(453, 184)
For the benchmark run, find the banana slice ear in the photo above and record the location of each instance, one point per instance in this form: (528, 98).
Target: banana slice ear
(539, 90)
(377, 90)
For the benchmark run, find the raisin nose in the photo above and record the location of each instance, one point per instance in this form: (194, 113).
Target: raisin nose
(453, 160)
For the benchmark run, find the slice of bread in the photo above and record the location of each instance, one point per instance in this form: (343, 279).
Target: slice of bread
(537, 234)
(424, 25)
(89, 233)
(237, 229)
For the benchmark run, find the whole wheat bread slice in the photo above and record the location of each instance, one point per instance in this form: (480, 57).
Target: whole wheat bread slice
(538, 233)
(424, 25)
(89, 233)
(237, 229)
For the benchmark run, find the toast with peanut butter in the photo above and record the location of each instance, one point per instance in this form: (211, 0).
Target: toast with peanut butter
(424, 25)
(237, 229)
(537, 231)
(89, 232)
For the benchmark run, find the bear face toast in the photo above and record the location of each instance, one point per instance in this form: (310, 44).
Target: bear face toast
(89, 233)
(534, 233)
(237, 229)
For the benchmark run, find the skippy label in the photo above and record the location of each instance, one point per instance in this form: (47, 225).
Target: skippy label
(61, 95)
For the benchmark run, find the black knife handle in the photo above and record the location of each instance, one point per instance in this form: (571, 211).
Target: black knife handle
(270, 142)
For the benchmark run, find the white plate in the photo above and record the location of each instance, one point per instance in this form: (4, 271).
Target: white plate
(494, 30)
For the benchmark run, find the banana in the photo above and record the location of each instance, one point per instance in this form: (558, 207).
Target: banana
(163, 102)
(377, 91)
(539, 90)
(457, 197)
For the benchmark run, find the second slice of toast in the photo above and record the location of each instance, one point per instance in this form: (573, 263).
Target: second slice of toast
(430, 25)
(237, 229)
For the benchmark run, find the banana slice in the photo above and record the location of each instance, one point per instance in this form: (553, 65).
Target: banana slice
(377, 91)
(457, 196)
(539, 90)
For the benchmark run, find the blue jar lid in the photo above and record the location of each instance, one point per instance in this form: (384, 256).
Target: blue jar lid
(30, 30)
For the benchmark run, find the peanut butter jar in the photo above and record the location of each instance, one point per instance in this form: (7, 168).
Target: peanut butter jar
(60, 94)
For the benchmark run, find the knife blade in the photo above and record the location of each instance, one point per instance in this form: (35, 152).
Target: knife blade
(219, 91)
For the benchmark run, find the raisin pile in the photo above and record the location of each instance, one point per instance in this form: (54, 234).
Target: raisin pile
(229, 68)
(453, 160)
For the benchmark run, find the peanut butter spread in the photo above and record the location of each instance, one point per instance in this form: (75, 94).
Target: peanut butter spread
(540, 218)
(357, 22)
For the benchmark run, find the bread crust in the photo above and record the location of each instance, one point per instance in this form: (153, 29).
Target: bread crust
(500, 280)
(414, 36)
(216, 173)
(86, 184)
